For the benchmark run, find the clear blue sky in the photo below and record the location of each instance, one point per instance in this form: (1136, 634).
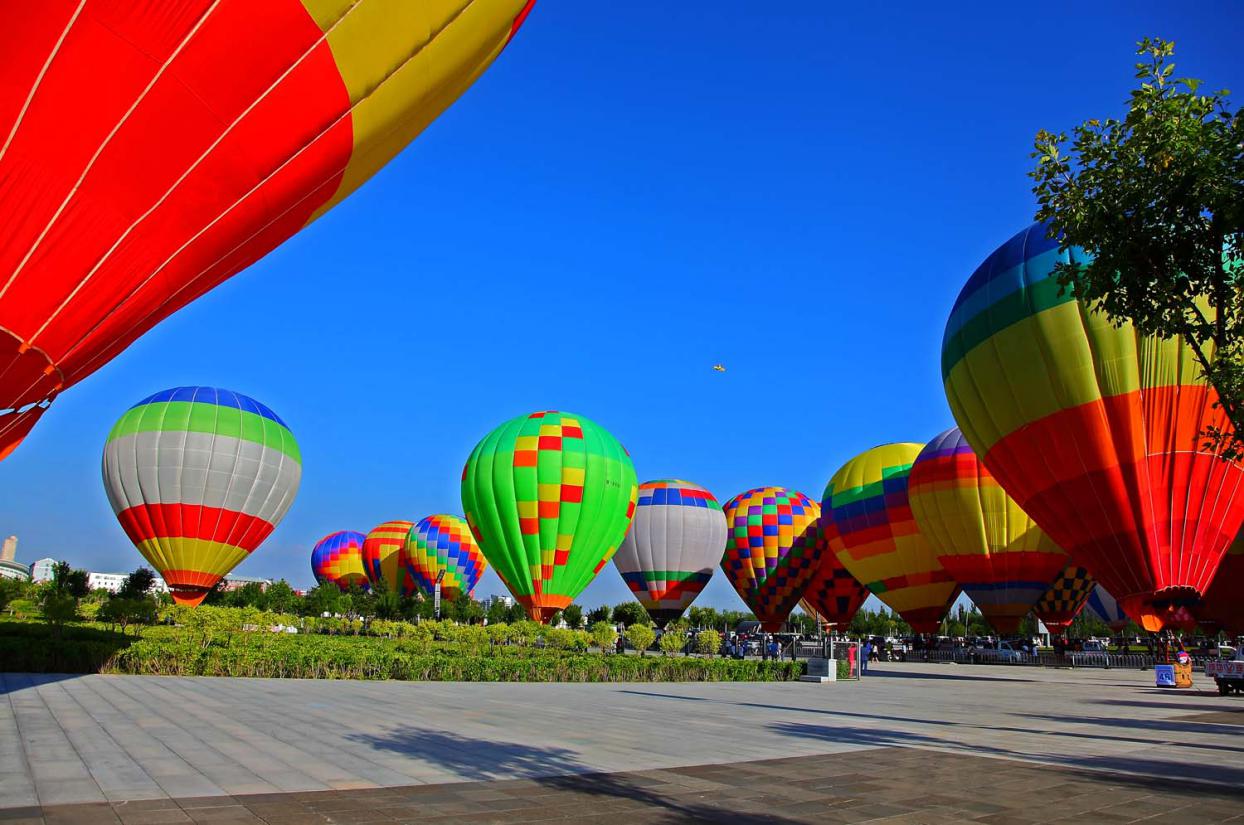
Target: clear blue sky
(632, 193)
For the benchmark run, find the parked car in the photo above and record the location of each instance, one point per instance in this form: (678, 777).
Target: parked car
(988, 650)
(1094, 646)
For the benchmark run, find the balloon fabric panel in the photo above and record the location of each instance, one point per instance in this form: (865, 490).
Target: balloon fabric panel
(444, 544)
(1065, 598)
(1094, 430)
(1104, 606)
(771, 550)
(204, 134)
(384, 557)
(871, 529)
(198, 478)
(338, 559)
(1224, 601)
(549, 497)
(673, 546)
(997, 554)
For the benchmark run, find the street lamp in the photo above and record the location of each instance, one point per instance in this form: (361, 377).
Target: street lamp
(436, 595)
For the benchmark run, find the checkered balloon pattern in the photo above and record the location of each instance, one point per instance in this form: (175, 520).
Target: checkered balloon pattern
(444, 544)
(833, 595)
(338, 559)
(549, 497)
(1066, 596)
(771, 550)
(384, 557)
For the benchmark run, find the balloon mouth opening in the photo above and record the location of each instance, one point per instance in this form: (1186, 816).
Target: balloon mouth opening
(1171, 608)
(542, 606)
(188, 597)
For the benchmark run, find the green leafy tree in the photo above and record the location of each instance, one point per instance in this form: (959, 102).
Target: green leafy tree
(640, 637)
(1157, 198)
(630, 613)
(281, 598)
(604, 635)
(599, 614)
(707, 642)
(516, 613)
(321, 599)
(59, 600)
(137, 584)
(362, 603)
(497, 613)
(673, 639)
(573, 616)
(132, 604)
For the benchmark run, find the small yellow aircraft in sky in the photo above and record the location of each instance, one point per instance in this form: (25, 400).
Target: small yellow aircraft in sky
(719, 368)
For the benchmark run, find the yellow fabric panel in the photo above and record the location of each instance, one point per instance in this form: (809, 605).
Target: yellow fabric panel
(199, 555)
(969, 520)
(404, 62)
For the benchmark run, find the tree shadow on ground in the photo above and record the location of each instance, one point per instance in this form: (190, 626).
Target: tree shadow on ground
(14, 682)
(889, 673)
(667, 695)
(1174, 726)
(1166, 776)
(560, 769)
(1195, 707)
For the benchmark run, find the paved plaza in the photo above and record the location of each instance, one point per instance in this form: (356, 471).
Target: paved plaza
(912, 743)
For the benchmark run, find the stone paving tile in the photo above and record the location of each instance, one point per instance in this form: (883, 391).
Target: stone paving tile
(831, 788)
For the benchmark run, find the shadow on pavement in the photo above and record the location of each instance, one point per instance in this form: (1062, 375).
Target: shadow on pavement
(555, 768)
(920, 674)
(1200, 707)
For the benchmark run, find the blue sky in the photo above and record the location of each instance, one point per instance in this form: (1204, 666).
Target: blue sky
(632, 193)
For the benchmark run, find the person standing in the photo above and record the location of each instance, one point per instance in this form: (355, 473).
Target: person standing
(867, 652)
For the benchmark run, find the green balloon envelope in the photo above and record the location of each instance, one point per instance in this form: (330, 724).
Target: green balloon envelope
(549, 497)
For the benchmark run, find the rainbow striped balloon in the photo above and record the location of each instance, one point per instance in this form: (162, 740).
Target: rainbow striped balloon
(871, 530)
(198, 478)
(771, 550)
(338, 559)
(1094, 429)
(384, 557)
(444, 544)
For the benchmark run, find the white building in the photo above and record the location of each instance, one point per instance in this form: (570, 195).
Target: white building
(112, 582)
(41, 571)
(506, 601)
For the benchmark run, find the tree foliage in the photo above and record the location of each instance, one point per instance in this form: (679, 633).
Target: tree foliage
(1157, 199)
(640, 637)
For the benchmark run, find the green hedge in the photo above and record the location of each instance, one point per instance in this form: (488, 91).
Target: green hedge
(179, 652)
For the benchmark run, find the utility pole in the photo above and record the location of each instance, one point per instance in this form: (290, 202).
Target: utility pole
(436, 597)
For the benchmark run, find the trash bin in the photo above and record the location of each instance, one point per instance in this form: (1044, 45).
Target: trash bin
(1164, 675)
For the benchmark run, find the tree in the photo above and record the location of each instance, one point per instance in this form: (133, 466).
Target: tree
(573, 616)
(132, 603)
(630, 613)
(673, 639)
(599, 614)
(640, 637)
(137, 584)
(1157, 198)
(59, 599)
(707, 642)
(703, 617)
(321, 599)
(281, 597)
(497, 612)
(604, 634)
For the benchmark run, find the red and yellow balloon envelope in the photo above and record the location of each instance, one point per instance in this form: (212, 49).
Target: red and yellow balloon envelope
(771, 550)
(198, 478)
(1223, 606)
(1064, 599)
(384, 557)
(1093, 429)
(151, 155)
(833, 596)
(870, 528)
(672, 548)
(443, 544)
(996, 553)
(338, 559)
(549, 497)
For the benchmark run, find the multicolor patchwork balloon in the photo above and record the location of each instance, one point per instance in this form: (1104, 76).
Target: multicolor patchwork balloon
(198, 478)
(673, 546)
(772, 550)
(151, 150)
(1104, 606)
(1093, 429)
(384, 557)
(997, 554)
(1064, 599)
(444, 544)
(833, 596)
(338, 559)
(549, 497)
(870, 528)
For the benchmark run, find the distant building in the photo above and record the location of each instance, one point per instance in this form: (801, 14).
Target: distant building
(238, 582)
(112, 582)
(10, 567)
(41, 571)
(505, 601)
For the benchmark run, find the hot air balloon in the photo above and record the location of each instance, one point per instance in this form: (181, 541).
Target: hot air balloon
(871, 530)
(442, 546)
(1092, 429)
(1224, 601)
(198, 478)
(833, 596)
(987, 544)
(771, 550)
(673, 546)
(1064, 599)
(150, 155)
(338, 559)
(549, 497)
(384, 557)
(1102, 605)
